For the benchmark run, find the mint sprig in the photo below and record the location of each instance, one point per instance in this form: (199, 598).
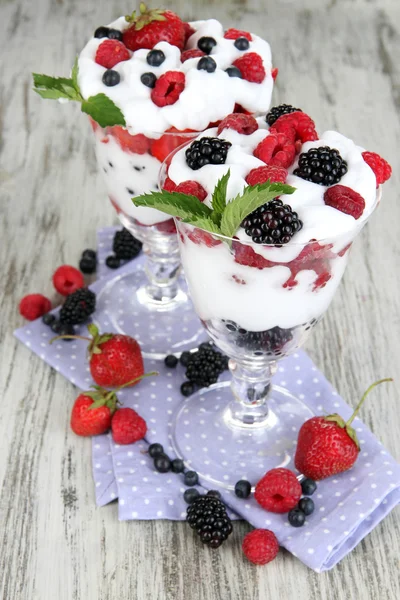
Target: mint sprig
(100, 107)
(225, 217)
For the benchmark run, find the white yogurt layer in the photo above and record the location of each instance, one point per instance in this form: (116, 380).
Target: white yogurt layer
(126, 175)
(207, 97)
(255, 298)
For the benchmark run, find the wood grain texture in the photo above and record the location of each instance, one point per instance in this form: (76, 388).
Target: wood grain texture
(340, 61)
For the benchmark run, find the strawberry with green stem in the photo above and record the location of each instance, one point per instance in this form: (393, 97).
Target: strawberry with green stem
(93, 411)
(114, 359)
(328, 445)
(152, 26)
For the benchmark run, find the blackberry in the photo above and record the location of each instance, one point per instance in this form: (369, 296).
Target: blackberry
(208, 516)
(205, 366)
(214, 494)
(272, 223)
(207, 151)
(206, 44)
(111, 78)
(78, 306)
(270, 341)
(278, 111)
(322, 165)
(125, 246)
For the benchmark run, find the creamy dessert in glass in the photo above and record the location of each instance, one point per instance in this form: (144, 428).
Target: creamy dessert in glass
(262, 261)
(164, 80)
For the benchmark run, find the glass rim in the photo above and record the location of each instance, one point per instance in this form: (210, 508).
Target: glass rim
(163, 172)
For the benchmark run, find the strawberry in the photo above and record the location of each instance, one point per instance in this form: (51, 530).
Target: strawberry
(188, 31)
(138, 144)
(153, 26)
(328, 445)
(127, 426)
(110, 53)
(162, 147)
(169, 185)
(92, 412)
(114, 359)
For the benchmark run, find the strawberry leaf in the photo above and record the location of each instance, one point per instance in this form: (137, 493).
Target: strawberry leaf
(175, 204)
(252, 198)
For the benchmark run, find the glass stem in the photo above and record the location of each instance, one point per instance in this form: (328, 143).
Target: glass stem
(250, 385)
(162, 270)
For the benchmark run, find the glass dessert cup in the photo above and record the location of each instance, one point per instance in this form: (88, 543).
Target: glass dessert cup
(258, 305)
(154, 294)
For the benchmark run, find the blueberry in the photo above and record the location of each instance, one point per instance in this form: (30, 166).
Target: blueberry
(206, 44)
(89, 253)
(111, 78)
(308, 486)
(101, 32)
(234, 72)
(148, 79)
(87, 265)
(66, 329)
(306, 505)
(48, 319)
(191, 478)
(206, 63)
(242, 43)
(242, 488)
(113, 262)
(155, 58)
(170, 361)
(214, 494)
(115, 34)
(56, 327)
(184, 359)
(191, 495)
(296, 517)
(155, 450)
(187, 388)
(162, 464)
(177, 465)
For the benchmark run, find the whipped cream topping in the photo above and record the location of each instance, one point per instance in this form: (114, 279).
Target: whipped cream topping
(320, 222)
(207, 97)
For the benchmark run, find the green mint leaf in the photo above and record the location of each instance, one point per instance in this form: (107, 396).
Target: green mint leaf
(219, 197)
(55, 87)
(204, 223)
(252, 197)
(103, 110)
(74, 76)
(174, 204)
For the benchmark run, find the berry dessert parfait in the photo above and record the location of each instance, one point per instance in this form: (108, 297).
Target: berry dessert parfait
(263, 248)
(150, 81)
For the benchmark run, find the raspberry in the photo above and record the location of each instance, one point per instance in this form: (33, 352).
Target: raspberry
(296, 126)
(169, 185)
(379, 165)
(234, 34)
(188, 31)
(78, 307)
(194, 53)
(199, 236)
(166, 226)
(245, 255)
(33, 306)
(111, 52)
(276, 149)
(138, 144)
(67, 279)
(278, 491)
(263, 174)
(260, 546)
(168, 88)
(193, 188)
(251, 67)
(242, 123)
(277, 111)
(127, 426)
(345, 199)
(274, 73)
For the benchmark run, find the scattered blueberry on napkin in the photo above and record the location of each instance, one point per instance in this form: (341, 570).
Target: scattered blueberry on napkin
(346, 507)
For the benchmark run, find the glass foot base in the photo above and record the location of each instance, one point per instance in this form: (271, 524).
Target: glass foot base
(161, 327)
(212, 443)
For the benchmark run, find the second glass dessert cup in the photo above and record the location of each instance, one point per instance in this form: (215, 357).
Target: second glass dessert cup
(258, 304)
(150, 303)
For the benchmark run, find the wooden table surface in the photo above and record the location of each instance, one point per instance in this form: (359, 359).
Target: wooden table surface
(340, 61)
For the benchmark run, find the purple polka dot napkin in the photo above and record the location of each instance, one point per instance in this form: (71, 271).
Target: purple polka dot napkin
(347, 507)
